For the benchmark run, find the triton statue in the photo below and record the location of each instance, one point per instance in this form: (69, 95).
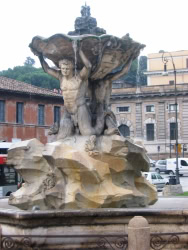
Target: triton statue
(88, 164)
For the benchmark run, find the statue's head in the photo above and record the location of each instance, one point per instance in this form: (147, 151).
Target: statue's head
(66, 66)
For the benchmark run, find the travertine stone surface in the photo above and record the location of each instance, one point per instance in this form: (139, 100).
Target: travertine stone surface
(64, 175)
(86, 65)
(138, 234)
(39, 177)
(89, 165)
(171, 190)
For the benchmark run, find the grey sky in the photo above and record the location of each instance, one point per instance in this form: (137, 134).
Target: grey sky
(160, 24)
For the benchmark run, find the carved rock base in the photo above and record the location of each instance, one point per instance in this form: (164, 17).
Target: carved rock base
(81, 173)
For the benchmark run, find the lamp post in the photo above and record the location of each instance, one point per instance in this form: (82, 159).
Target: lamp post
(170, 145)
(165, 61)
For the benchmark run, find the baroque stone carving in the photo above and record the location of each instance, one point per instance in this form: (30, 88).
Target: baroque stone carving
(86, 24)
(49, 182)
(89, 165)
(64, 176)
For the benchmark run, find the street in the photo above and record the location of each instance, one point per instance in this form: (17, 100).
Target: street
(183, 179)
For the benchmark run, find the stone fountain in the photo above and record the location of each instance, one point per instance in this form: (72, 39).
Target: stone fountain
(87, 164)
(82, 188)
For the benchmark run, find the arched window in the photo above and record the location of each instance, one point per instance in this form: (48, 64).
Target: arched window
(124, 130)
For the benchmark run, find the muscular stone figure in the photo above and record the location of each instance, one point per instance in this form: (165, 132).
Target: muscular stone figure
(76, 117)
(103, 89)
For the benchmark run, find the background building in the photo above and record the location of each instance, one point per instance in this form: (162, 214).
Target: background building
(155, 68)
(27, 111)
(148, 112)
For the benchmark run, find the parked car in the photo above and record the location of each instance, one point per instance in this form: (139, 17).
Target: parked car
(152, 163)
(156, 179)
(168, 166)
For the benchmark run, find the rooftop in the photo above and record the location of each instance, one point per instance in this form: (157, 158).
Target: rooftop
(11, 85)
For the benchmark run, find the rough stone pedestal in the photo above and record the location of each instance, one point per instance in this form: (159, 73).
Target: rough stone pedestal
(170, 190)
(80, 173)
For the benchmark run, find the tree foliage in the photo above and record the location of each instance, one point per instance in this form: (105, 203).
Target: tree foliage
(136, 75)
(29, 61)
(32, 75)
(142, 69)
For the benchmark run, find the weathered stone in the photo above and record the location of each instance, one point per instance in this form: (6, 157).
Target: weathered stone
(66, 176)
(139, 234)
(112, 51)
(86, 24)
(170, 190)
(90, 165)
(26, 157)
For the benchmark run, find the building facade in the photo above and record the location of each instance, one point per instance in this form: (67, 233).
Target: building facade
(147, 113)
(27, 111)
(155, 68)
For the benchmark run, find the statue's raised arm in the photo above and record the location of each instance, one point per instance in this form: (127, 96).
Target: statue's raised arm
(53, 72)
(84, 73)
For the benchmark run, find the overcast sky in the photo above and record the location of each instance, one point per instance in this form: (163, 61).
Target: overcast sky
(159, 24)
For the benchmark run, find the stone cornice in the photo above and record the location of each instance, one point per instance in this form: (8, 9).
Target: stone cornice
(150, 92)
(160, 72)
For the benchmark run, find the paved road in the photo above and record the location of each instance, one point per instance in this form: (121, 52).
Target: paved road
(171, 203)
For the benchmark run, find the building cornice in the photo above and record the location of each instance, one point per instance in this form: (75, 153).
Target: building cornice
(149, 92)
(170, 72)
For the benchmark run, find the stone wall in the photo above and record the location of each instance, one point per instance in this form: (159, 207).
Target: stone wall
(80, 229)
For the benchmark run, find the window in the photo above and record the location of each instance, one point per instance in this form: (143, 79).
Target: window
(123, 109)
(159, 177)
(171, 82)
(8, 176)
(3, 151)
(40, 114)
(56, 114)
(172, 107)
(150, 132)
(153, 177)
(184, 163)
(124, 130)
(187, 62)
(2, 111)
(172, 131)
(150, 108)
(162, 162)
(19, 112)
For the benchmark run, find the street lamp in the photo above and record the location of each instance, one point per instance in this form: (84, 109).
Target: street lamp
(165, 61)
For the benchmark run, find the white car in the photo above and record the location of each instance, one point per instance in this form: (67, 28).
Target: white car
(152, 162)
(168, 166)
(156, 179)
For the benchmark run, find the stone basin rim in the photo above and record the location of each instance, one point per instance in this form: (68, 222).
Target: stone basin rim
(23, 215)
(81, 37)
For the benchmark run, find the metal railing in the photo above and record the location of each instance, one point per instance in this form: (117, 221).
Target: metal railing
(107, 241)
(158, 241)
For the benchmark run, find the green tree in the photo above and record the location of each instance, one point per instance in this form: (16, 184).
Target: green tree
(32, 75)
(142, 69)
(136, 75)
(131, 76)
(29, 61)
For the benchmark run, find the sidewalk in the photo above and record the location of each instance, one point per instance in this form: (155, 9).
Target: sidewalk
(171, 202)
